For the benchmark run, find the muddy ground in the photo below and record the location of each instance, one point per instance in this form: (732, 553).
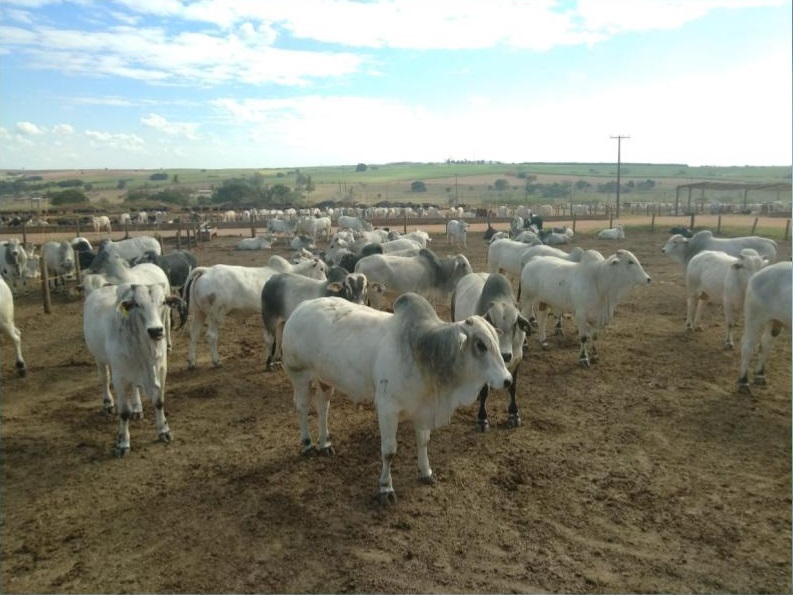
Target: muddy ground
(645, 473)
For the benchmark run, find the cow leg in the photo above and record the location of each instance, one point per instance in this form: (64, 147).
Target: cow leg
(269, 348)
(16, 338)
(513, 420)
(691, 304)
(542, 319)
(196, 327)
(703, 299)
(481, 420)
(323, 395)
(425, 473)
(137, 406)
(557, 329)
(388, 448)
(213, 332)
(104, 386)
(766, 341)
(301, 396)
(124, 414)
(160, 421)
(166, 320)
(748, 342)
(583, 356)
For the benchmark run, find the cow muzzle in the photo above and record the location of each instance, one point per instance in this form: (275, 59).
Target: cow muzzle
(507, 357)
(156, 332)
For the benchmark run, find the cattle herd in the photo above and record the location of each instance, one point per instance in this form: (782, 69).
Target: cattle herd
(358, 315)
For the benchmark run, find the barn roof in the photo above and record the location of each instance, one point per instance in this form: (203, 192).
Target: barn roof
(775, 187)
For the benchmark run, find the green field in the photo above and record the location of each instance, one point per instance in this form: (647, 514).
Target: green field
(475, 184)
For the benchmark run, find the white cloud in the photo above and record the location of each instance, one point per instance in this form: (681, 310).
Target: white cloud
(118, 141)
(63, 129)
(30, 129)
(187, 130)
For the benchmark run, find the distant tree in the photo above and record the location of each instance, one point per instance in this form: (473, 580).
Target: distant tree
(175, 179)
(360, 167)
(158, 176)
(501, 184)
(65, 197)
(72, 183)
(121, 185)
(418, 186)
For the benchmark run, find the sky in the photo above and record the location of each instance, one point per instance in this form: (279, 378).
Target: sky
(144, 84)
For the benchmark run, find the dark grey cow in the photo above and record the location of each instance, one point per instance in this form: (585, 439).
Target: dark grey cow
(491, 296)
(177, 265)
(282, 293)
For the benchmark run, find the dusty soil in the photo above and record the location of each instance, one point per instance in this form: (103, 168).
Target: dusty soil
(645, 473)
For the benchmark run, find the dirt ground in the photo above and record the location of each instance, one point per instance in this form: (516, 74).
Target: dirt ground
(645, 473)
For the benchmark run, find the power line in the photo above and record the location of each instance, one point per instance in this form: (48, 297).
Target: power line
(619, 163)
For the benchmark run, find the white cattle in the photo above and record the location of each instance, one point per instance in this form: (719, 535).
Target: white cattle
(131, 248)
(528, 236)
(414, 366)
(418, 235)
(301, 242)
(124, 328)
(212, 293)
(354, 223)
(102, 223)
(116, 271)
(314, 227)
(13, 261)
(767, 308)
(282, 293)
(682, 249)
(399, 245)
(59, 259)
(281, 227)
(504, 256)
(8, 326)
(716, 277)
(612, 233)
(457, 233)
(257, 243)
(424, 274)
(491, 296)
(590, 289)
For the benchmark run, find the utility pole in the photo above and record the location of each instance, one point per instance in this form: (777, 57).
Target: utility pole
(619, 163)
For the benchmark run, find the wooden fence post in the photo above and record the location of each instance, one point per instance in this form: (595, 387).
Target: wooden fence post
(179, 234)
(652, 224)
(24, 233)
(718, 224)
(787, 229)
(754, 225)
(574, 222)
(45, 286)
(691, 221)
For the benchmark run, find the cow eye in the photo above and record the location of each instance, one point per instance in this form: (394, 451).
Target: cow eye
(480, 346)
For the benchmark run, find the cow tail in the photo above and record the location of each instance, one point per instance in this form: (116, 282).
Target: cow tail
(187, 290)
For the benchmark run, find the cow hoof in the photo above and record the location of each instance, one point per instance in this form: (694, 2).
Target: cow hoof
(760, 380)
(121, 451)
(544, 345)
(217, 364)
(513, 421)
(22, 369)
(483, 425)
(583, 362)
(165, 437)
(326, 451)
(308, 451)
(191, 365)
(743, 388)
(429, 480)
(138, 415)
(387, 499)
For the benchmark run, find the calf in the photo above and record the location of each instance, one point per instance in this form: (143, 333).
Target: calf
(124, 331)
(410, 363)
(491, 296)
(456, 233)
(767, 308)
(59, 259)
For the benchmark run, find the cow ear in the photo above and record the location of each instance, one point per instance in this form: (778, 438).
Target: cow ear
(524, 324)
(737, 265)
(335, 287)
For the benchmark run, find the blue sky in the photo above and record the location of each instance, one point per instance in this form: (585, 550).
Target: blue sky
(280, 83)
